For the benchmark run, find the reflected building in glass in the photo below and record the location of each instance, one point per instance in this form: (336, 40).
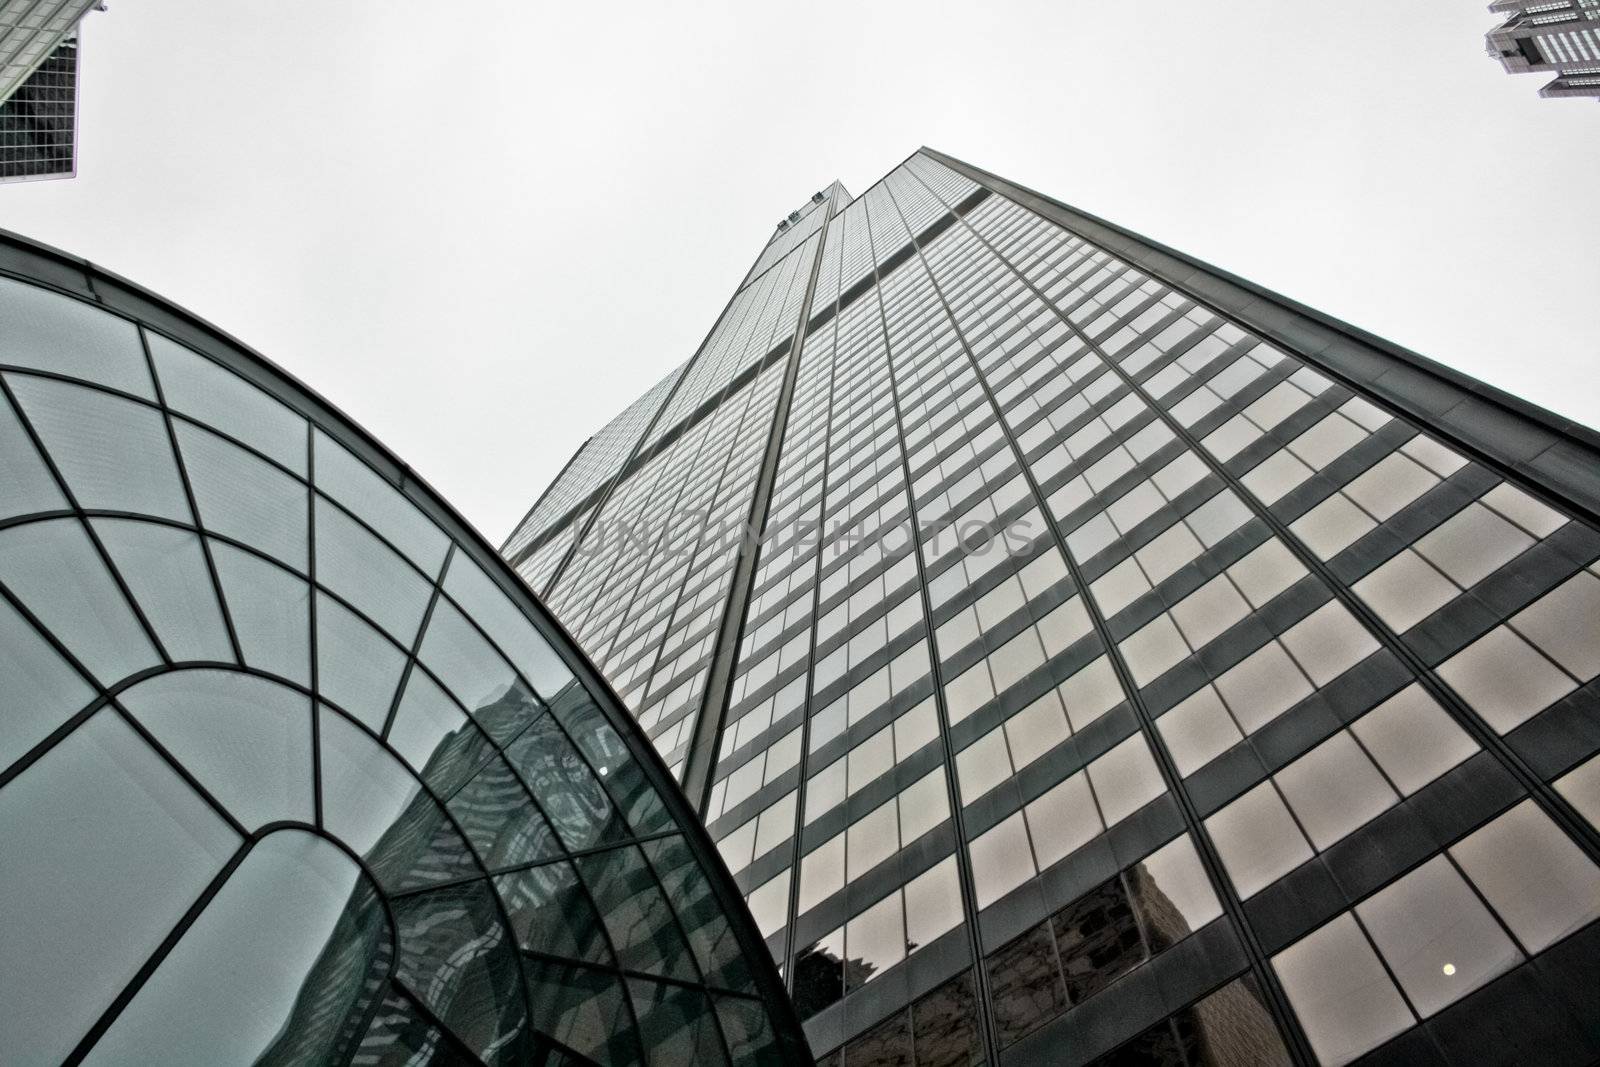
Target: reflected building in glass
(1130, 665)
(292, 768)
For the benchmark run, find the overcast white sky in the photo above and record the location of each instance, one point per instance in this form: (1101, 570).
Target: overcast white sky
(481, 237)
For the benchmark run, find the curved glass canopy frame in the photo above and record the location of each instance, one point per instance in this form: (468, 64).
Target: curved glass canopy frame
(292, 768)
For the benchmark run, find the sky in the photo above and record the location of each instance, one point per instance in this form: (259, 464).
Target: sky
(481, 239)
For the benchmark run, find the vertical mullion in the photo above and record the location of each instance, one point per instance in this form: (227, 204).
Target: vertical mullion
(969, 898)
(1232, 905)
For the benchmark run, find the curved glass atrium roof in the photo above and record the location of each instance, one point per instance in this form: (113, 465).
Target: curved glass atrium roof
(292, 769)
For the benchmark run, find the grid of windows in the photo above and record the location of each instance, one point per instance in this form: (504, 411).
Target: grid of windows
(39, 120)
(1114, 662)
(291, 769)
(28, 34)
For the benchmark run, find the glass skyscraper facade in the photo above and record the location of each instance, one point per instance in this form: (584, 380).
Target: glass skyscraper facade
(1082, 655)
(293, 770)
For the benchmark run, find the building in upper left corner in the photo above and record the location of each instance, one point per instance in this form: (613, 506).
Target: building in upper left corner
(1560, 37)
(39, 51)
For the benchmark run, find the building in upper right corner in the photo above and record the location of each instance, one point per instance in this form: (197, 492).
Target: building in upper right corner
(1559, 36)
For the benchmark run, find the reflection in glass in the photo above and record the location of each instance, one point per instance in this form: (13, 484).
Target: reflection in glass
(676, 1023)
(378, 809)
(455, 957)
(1025, 985)
(584, 1009)
(1230, 1028)
(278, 968)
(642, 925)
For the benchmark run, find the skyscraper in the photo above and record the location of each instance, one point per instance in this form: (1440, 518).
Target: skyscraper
(292, 768)
(1560, 37)
(1129, 664)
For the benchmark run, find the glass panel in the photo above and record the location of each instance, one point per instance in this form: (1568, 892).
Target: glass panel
(821, 873)
(1472, 544)
(355, 485)
(875, 940)
(242, 497)
(431, 733)
(52, 567)
(887, 1044)
(497, 816)
(278, 968)
(1540, 883)
(100, 889)
(609, 756)
(982, 765)
(769, 904)
(944, 1025)
(871, 839)
(747, 1029)
(369, 574)
(271, 612)
(26, 484)
(1504, 679)
(53, 332)
(1257, 839)
(1440, 941)
(1026, 988)
(1230, 1028)
(357, 667)
(1327, 642)
(1334, 788)
(1581, 787)
(1172, 893)
(167, 574)
(676, 1024)
(689, 892)
(38, 689)
(1562, 623)
(1344, 999)
(113, 453)
(568, 790)
(398, 1036)
(1412, 738)
(504, 622)
(584, 1009)
(479, 677)
(245, 739)
(1198, 730)
(933, 904)
(205, 390)
(642, 926)
(456, 958)
(1063, 819)
(1262, 686)
(1125, 779)
(552, 914)
(1001, 860)
(371, 802)
(1098, 939)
